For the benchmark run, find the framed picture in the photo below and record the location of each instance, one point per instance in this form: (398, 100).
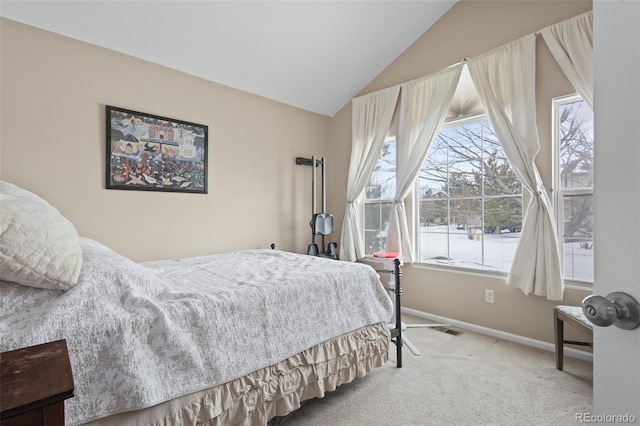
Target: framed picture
(146, 152)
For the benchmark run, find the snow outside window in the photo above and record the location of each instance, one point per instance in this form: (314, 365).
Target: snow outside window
(469, 200)
(573, 184)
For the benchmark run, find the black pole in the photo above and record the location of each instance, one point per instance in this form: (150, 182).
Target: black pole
(313, 198)
(398, 292)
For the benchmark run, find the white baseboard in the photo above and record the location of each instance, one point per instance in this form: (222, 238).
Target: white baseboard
(574, 353)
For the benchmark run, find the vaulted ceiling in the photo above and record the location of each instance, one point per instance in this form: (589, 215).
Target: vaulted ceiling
(315, 55)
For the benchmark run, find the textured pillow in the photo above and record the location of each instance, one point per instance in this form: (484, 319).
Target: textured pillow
(38, 246)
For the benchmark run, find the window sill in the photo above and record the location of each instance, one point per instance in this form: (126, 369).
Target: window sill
(578, 285)
(461, 270)
(568, 284)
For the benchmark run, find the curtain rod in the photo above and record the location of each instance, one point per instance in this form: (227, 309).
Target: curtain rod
(466, 58)
(536, 33)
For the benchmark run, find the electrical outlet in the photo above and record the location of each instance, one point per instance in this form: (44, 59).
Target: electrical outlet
(488, 296)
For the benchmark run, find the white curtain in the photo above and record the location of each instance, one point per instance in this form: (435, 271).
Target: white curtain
(371, 117)
(571, 44)
(505, 79)
(423, 106)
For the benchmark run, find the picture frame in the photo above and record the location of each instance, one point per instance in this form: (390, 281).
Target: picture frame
(147, 152)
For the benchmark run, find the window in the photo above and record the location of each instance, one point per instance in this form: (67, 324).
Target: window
(573, 184)
(469, 200)
(379, 196)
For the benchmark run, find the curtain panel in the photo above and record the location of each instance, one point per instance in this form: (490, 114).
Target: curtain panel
(505, 80)
(571, 44)
(371, 118)
(423, 106)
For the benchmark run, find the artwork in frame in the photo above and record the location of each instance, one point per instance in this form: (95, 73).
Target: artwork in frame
(147, 152)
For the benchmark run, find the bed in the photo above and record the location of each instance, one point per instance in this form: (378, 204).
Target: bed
(231, 338)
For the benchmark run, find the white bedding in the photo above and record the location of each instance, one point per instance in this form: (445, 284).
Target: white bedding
(141, 334)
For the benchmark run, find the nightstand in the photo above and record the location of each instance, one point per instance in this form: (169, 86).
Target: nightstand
(34, 383)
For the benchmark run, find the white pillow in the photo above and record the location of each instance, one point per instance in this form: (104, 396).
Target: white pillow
(38, 246)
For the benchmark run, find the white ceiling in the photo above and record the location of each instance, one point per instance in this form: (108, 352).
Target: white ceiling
(315, 55)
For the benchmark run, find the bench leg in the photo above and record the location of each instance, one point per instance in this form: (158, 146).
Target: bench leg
(559, 335)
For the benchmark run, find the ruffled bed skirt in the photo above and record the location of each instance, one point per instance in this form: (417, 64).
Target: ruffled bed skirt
(273, 391)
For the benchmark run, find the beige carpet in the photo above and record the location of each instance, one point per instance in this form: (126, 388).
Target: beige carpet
(469, 379)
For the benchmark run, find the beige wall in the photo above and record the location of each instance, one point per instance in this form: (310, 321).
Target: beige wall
(471, 28)
(52, 141)
(54, 91)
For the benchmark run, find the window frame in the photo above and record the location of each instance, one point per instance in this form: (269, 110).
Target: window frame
(557, 198)
(478, 118)
(379, 201)
(558, 192)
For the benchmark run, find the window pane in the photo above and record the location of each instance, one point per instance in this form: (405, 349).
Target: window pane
(503, 223)
(382, 189)
(503, 214)
(434, 247)
(464, 251)
(465, 236)
(434, 214)
(373, 242)
(574, 168)
(465, 161)
(372, 216)
(491, 143)
(499, 178)
(576, 145)
(382, 184)
(578, 237)
(376, 225)
(433, 174)
(470, 200)
(466, 214)
(385, 214)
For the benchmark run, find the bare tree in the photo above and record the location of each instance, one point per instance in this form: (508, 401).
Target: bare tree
(467, 165)
(576, 170)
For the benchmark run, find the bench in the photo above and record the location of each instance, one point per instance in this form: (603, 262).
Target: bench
(574, 316)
